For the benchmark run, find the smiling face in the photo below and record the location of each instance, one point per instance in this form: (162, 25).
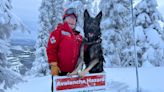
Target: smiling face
(92, 26)
(71, 20)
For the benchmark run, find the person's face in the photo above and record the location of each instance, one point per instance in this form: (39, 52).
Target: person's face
(71, 20)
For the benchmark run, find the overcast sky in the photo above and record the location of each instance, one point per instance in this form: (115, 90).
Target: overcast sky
(27, 10)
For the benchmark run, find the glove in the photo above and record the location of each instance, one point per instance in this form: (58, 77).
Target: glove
(54, 69)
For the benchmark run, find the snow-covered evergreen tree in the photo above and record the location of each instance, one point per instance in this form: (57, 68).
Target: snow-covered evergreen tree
(8, 23)
(117, 33)
(51, 12)
(149, 34)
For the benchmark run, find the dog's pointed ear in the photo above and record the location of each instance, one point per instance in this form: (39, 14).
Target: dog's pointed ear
(99, 16)
(86, 15)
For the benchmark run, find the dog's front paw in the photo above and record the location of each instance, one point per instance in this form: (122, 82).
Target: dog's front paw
(82, 74)
(73, 73)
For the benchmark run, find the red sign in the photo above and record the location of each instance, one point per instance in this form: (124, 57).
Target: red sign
(74, 83)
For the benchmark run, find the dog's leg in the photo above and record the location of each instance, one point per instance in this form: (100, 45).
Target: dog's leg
(75, 72)
(91, 65)
(79, 63)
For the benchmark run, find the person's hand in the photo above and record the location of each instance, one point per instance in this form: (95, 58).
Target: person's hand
(54, 69)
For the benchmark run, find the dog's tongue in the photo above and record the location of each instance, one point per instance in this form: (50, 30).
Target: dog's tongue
(91, 34)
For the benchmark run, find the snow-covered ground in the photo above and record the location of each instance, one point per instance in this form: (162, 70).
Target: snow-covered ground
(151, 80)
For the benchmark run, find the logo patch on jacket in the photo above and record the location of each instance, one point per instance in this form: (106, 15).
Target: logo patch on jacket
(65, 33)
(52, 40)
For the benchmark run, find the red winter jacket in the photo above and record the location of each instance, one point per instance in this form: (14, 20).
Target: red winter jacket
(64, 47)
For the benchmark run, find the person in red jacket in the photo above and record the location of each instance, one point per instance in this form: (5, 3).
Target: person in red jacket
(64, 44)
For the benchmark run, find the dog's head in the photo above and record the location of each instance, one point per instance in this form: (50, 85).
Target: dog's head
(92, 26)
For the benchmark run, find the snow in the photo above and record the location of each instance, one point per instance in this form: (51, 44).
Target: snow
(24, 56)
(161, 6)
(41, 84)
(149, 54)
(154, 38)
(17, 48)
(2, 21)
(141, 6)
(147, 64)
(4, 47)
(2, 85)
(105, 23)
(153, 3)
(139, 34)
(143, 18)
(74, 4)
(120, 8)
(13, 59)
(151, 80)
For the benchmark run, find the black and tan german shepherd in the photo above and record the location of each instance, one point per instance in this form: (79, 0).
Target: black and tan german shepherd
(91, 51)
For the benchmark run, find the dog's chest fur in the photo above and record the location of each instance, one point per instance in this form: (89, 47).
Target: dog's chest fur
(94, 52)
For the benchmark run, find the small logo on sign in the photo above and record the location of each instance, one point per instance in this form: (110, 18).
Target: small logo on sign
(52, 40)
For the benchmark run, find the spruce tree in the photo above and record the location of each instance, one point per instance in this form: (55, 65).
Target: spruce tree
(51, 12)
(149, 32)
(8, 23)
